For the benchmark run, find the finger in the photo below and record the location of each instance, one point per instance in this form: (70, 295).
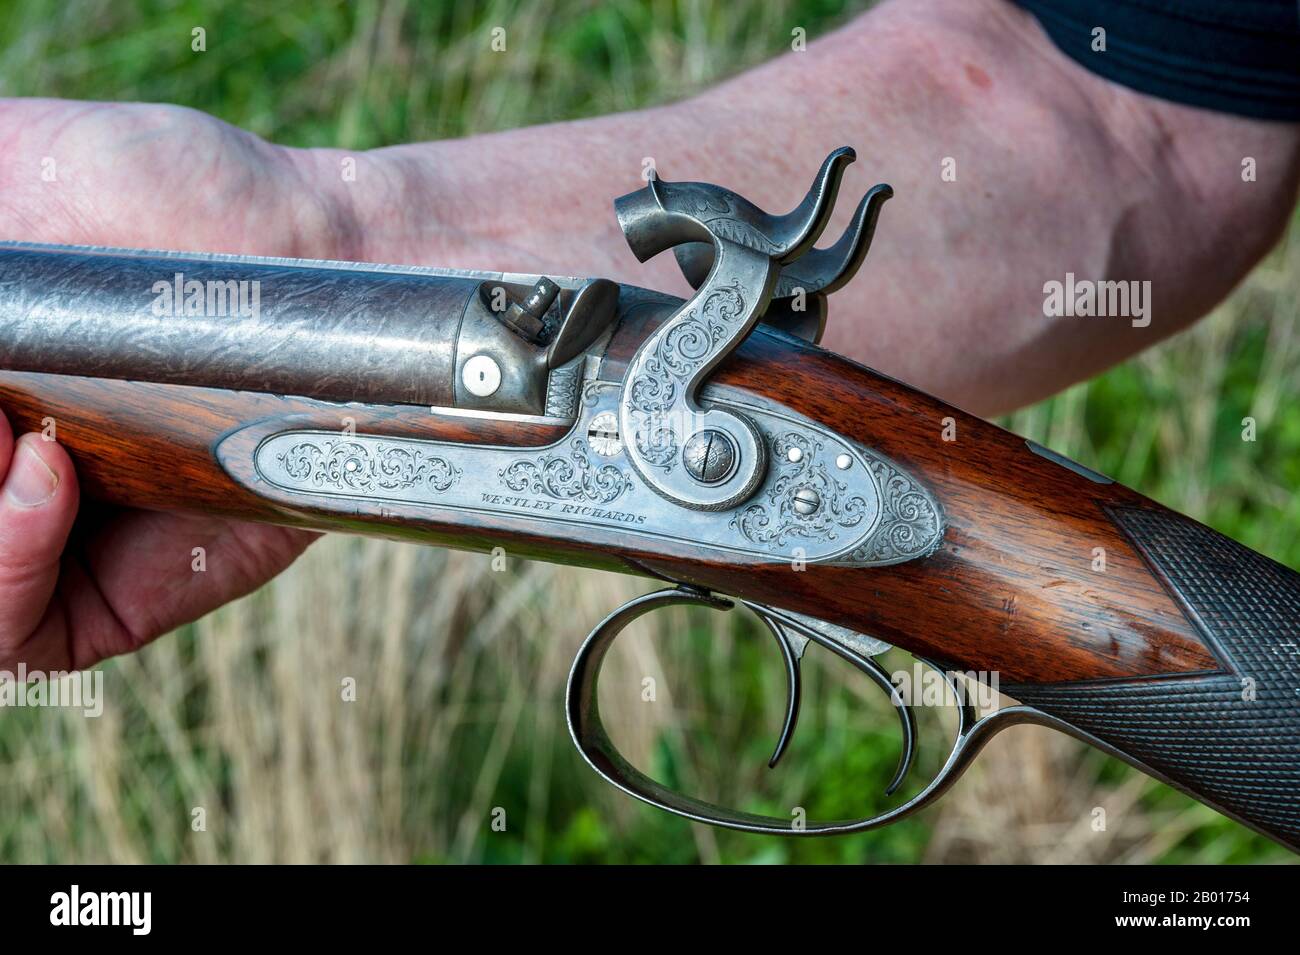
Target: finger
(156, 571)
(38, 502)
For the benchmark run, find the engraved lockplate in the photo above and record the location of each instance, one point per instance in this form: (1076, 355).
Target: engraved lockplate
(566, 483)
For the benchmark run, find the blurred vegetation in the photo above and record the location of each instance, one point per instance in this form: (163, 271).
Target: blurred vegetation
(460, 670)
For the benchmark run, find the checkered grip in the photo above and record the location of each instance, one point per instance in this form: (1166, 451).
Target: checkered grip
(1231, 738)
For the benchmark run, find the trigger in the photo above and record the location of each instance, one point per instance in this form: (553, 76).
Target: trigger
(792, 648)
(907, 721)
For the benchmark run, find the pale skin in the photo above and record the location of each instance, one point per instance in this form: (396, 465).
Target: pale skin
(1056, 171)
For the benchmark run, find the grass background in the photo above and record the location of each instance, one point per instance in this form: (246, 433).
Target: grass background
(459, 669)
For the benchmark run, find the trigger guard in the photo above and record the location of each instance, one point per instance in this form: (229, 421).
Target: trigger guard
(593, 742)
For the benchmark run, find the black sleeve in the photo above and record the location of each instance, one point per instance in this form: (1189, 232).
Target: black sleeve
(1235, 56)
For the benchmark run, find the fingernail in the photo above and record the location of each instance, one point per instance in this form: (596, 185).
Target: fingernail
(31, 482)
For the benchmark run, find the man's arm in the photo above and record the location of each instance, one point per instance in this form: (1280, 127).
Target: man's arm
(1056, 171)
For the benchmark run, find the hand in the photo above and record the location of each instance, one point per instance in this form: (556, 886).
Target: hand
(142, 176)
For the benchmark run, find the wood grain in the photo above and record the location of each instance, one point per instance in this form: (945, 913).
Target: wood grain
(1011, 589)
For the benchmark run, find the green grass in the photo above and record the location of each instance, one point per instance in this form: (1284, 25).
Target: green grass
(461, 669)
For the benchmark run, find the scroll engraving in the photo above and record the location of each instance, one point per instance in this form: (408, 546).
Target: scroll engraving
(824, 499)
(665, 375)
(568, 477)
(911, 524)
(353, 466)
(773, 518)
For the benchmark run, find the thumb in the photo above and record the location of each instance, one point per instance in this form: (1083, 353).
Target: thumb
(38, 502)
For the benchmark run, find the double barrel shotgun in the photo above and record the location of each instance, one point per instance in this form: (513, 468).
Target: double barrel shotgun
(707, 443)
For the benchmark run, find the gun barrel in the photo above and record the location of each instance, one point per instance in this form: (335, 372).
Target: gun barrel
(329, 330)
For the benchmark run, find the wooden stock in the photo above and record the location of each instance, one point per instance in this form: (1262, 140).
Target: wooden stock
(1012, 589)
(1173, 654)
